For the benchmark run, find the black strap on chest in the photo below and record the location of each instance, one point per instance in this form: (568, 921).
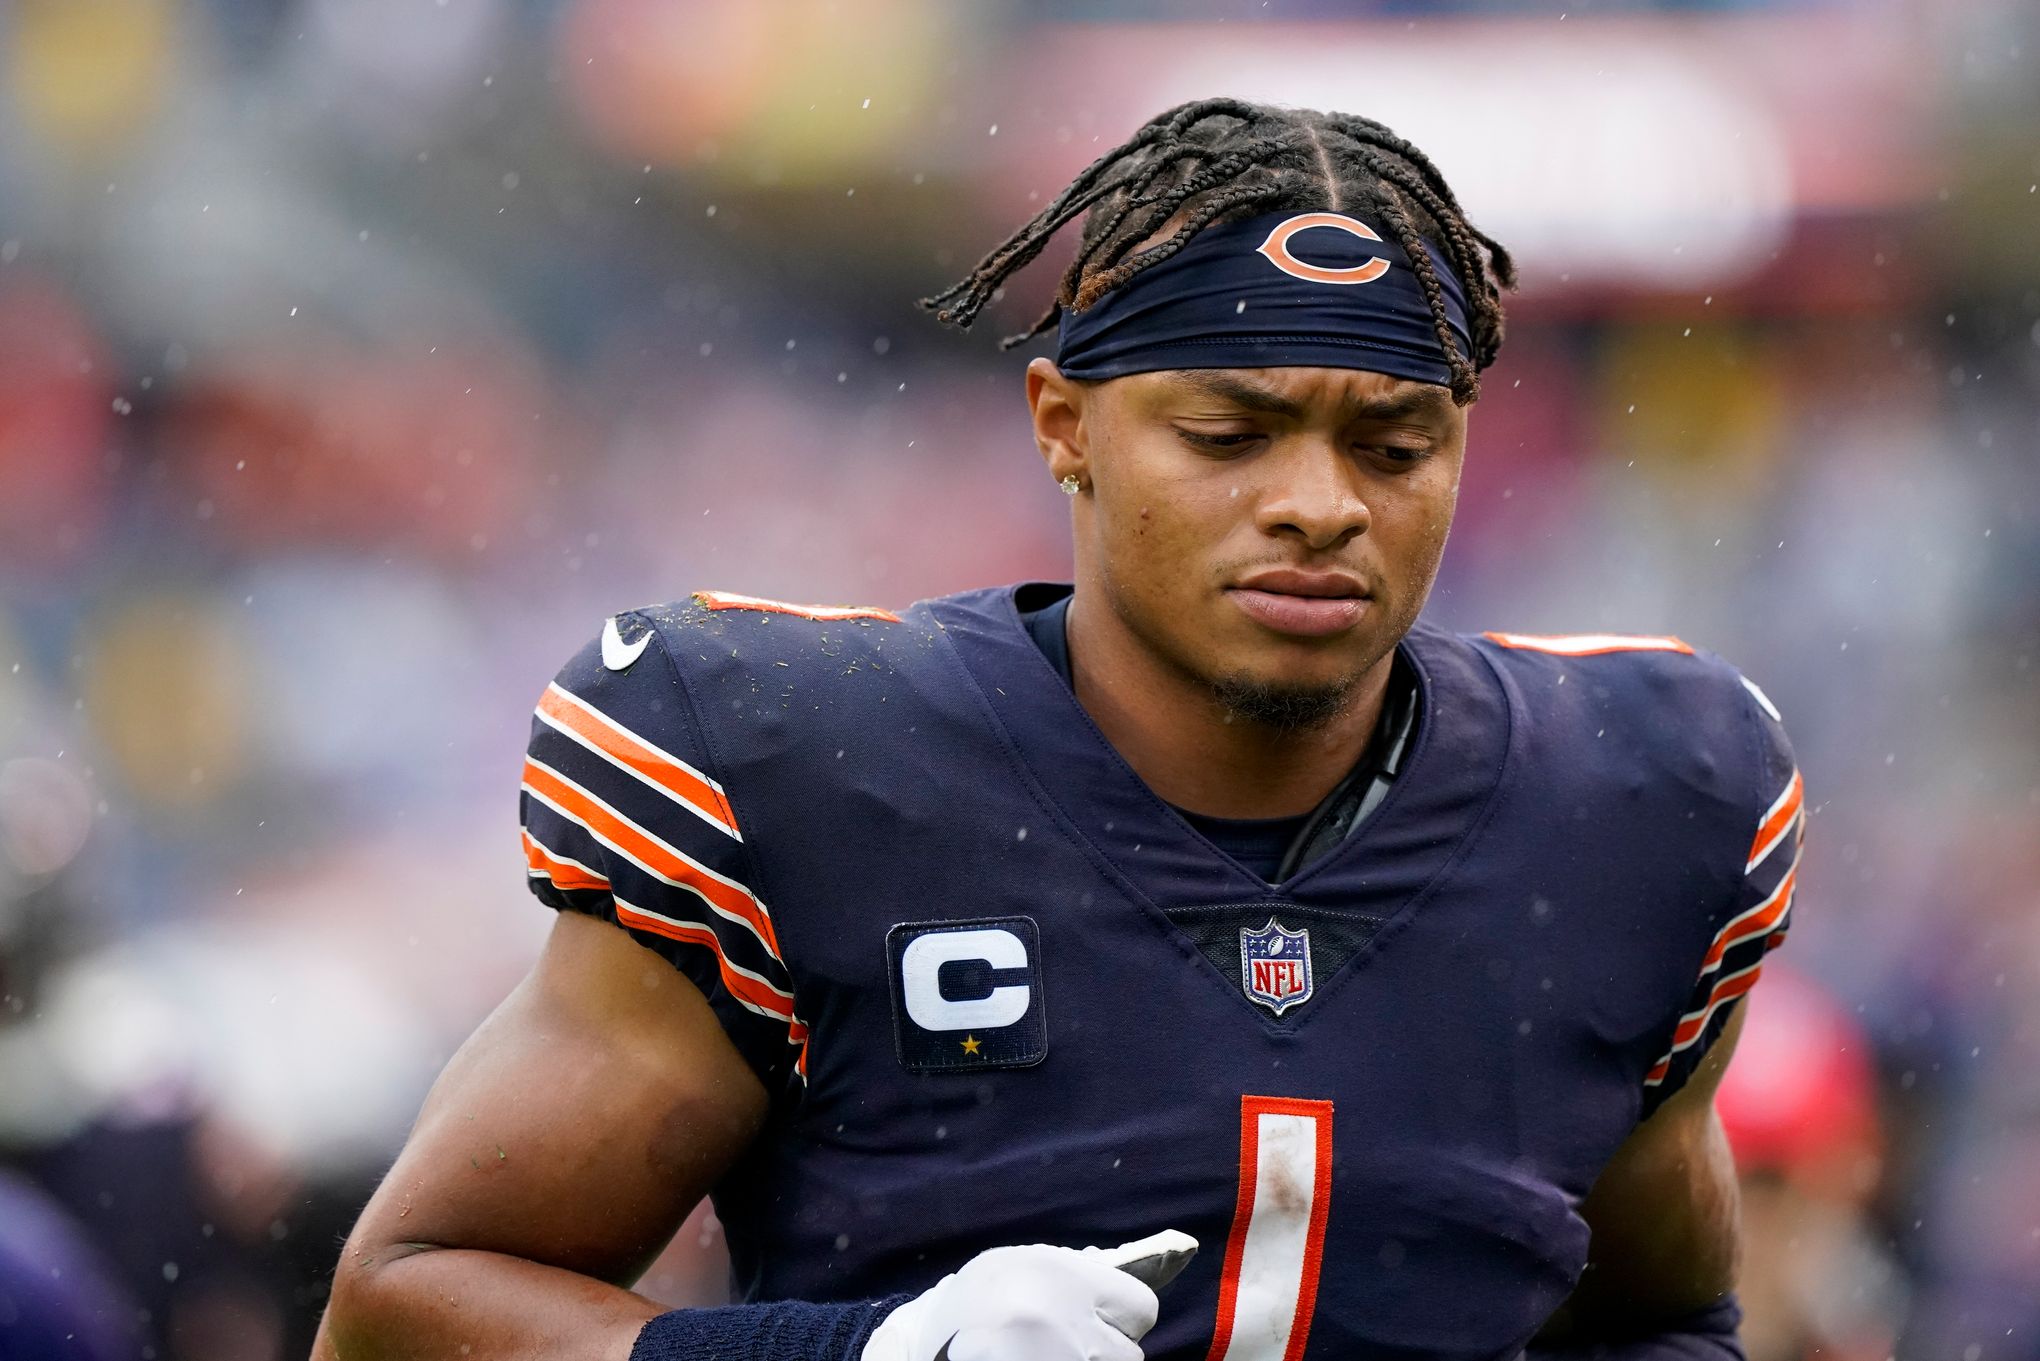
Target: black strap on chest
(1366, 785)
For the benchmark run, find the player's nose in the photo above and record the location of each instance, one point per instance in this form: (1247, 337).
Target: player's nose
(1314, 495)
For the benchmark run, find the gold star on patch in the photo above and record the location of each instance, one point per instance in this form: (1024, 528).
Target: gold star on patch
(971, 1045)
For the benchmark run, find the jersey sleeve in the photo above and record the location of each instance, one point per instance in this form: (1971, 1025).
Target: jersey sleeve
(1756, 921)
(624, 820)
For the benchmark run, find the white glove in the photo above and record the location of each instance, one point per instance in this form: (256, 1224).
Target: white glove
(1034, 1303)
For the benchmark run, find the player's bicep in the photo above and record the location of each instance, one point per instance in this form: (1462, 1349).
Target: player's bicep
(1664, 1213)
(580, 1123)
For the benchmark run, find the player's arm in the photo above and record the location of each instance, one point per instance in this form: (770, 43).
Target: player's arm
(1666, 1243)
(556, 1155)
(1665, 1212)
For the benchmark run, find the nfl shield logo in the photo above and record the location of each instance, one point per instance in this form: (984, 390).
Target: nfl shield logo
(1275, 966)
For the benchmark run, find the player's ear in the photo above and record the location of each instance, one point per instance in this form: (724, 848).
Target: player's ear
(1058, 406)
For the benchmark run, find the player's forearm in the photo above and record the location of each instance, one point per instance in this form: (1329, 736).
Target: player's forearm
(463, 1305)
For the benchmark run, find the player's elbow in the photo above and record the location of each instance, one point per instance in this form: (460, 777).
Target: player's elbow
(366, 1308)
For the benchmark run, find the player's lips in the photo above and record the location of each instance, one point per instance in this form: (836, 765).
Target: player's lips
(1303, 604)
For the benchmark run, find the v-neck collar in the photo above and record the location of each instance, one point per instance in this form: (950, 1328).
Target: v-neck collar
(1464, 728)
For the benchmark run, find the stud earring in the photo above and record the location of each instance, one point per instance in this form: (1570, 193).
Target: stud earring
(1070, 485)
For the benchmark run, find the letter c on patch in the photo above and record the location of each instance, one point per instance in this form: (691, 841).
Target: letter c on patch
(1276, 248)
(921, 988)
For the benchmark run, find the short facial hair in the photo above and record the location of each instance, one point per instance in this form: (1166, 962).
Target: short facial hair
(1282, 708)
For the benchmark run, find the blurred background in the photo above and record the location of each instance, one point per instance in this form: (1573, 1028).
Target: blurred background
(357, 357)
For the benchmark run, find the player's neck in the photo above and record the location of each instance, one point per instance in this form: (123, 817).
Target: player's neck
(1190, 750)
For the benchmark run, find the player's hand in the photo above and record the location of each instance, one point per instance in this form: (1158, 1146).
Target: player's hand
(1034, 1303)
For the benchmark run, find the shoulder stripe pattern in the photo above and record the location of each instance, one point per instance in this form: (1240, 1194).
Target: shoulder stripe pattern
(1587, 644)
(658, 858)
(729, 600)
(624, 749)
(1735, 958)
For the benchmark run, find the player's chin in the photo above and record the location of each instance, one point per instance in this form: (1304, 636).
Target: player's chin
(1290, 663)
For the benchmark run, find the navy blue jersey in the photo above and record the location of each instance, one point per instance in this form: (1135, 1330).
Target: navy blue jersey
(1002, 993)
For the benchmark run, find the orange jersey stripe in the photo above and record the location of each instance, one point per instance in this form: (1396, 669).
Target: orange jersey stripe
(660, 769)
(729, 600)
(1758, 921)
(1727, 990)
(726, 896)
(1772, 829)
(1588, 644)
(564, 873)
(1694, 1024)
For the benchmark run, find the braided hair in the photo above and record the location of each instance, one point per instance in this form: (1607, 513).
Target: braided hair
(1217, 160)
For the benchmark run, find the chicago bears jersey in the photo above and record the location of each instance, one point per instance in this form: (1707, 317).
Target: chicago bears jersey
(1002, 993)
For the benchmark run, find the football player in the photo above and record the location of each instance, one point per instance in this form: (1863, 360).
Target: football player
(957, 951)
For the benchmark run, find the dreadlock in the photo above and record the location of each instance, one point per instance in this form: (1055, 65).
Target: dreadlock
(1217, 160)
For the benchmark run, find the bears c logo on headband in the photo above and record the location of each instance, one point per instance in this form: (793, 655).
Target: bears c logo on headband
(1276, 248)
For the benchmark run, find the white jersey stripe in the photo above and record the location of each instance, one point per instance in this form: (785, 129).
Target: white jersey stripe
(1762, 699)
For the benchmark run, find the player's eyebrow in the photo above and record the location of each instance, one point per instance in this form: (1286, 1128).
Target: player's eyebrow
(1422, 401)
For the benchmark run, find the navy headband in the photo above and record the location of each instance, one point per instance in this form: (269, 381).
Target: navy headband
(1319, 290)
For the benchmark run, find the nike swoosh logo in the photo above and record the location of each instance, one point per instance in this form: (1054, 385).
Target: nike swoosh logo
(617, 655)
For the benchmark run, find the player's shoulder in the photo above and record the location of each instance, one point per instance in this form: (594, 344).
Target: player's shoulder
(1637, 706)
(747, 648)
(727, 634)
(1659, 674)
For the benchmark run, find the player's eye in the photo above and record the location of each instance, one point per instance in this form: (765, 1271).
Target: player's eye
(1228, 442)
(1403, 454)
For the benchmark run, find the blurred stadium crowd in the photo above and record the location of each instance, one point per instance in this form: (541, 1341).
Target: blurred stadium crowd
(357, 357)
